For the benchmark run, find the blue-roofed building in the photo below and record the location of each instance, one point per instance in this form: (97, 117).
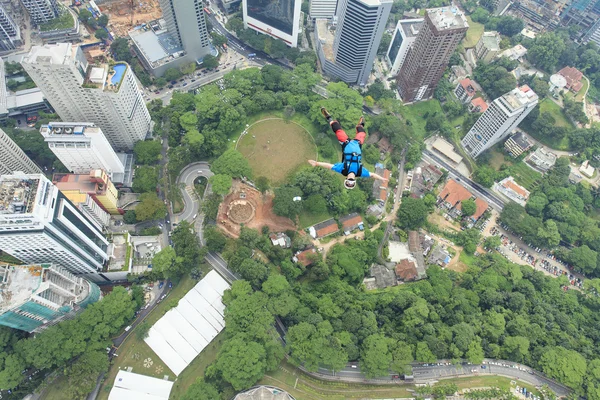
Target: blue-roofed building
(33, 297)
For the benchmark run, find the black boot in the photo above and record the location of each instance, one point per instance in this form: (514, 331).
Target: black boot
(361, 121)
(327, 116)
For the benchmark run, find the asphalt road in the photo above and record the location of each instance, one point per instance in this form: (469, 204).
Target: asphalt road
(434, 372)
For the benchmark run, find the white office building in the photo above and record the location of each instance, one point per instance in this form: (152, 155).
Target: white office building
(38, 224)
(12, 158)
(81, 147)
(81, 90)
(322, 8)
(404, 36)
(499, 120)
(277, 18)
(348, 52)
(41, 11)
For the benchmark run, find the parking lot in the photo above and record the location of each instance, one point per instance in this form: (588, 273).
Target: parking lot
(516, 251)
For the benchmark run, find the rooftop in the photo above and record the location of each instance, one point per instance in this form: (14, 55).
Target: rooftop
(454, 193)
(573, 77)
(59, 53)
(264, 393)
(447, 150)
(509, 183)
(304, 257)
(94, 182)
(467, 85)
(157, 47)
(351, 220)
(326, 228)
(406, 270)
(446, 18)
(326, 37)
(481, 206)
(410, 27)
(520, 97)
(491, 40)
(68, 129)
(18, 194)
(480, 103)
(521, 140)
(382, 277)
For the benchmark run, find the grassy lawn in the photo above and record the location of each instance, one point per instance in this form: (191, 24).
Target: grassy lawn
(468, 259)
(64, 21)
(525, 176)
(496, 159)
(134, 351)
(275, 148)
(473, 34)
(554, 109)
(304, 387)
(309, 219)
(415, 113)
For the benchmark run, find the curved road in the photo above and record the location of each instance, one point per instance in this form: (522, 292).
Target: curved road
(191, 203)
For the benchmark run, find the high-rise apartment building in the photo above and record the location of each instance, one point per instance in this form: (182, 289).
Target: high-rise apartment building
(488, 46)
(348, 54)
(584, 13)
(499, 120)
(10, 33)
(12, 158)
(95, 183)
(81, 147)
(41, 11)
(38, 224)
(404, 36)
(82, 90)
(34, 297)
(277, 18)
(322, 8)
(593, 34)
(440, 34)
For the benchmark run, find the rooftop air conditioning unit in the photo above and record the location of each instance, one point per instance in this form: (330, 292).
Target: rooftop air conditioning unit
(68, 130)
(57, 130)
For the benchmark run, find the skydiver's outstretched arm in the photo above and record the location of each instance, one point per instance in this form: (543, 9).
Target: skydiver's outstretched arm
(320, 164)
(379, 177)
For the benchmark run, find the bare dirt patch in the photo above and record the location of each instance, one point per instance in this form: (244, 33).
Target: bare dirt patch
(440, 221)
(245, 203)
(274, 148)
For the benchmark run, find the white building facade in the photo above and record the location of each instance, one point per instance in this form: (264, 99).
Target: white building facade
(41, 11)
(404, 36)
(279, 19)
(499, 120)
(12, 158)
(322, 8)
(38, 224)
(81, 147)
(78, 91)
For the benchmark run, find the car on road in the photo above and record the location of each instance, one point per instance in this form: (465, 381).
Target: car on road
(184, 84)
(157, 92)
(161, 284)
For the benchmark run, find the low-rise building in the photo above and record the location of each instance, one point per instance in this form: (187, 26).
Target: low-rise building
(380, 188)
(452, 196)
(478, 104)
(447, 150)
(376, 210)
(424, 179)
(406, 270)
(280, 239)
(488, 46)
(573, 77)
(351, 222)
(439, 256)
(305, 257)
(541, 160)
(323, 229)
(416, 249)
(517, 144)
(514, 53)
(464, 90)
(515, 192)
(586, 169)
(380, 277)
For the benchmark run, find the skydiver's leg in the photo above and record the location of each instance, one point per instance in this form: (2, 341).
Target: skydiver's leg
(341, 136)
(360, 134)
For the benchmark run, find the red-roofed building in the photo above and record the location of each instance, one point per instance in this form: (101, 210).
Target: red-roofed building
(573, 77)
(380, 188)
(482, 206)
(406, 270)
(304, 257)
(453, 194)
(323, 229)
(350, 222)
(478, 105)
(465, 90)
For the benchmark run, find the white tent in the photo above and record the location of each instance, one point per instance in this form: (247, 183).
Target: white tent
(130, 386)
(179, 336)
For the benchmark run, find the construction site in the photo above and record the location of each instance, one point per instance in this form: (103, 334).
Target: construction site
(126, 15)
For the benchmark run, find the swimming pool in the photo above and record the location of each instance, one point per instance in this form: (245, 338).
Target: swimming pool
(119, 71)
